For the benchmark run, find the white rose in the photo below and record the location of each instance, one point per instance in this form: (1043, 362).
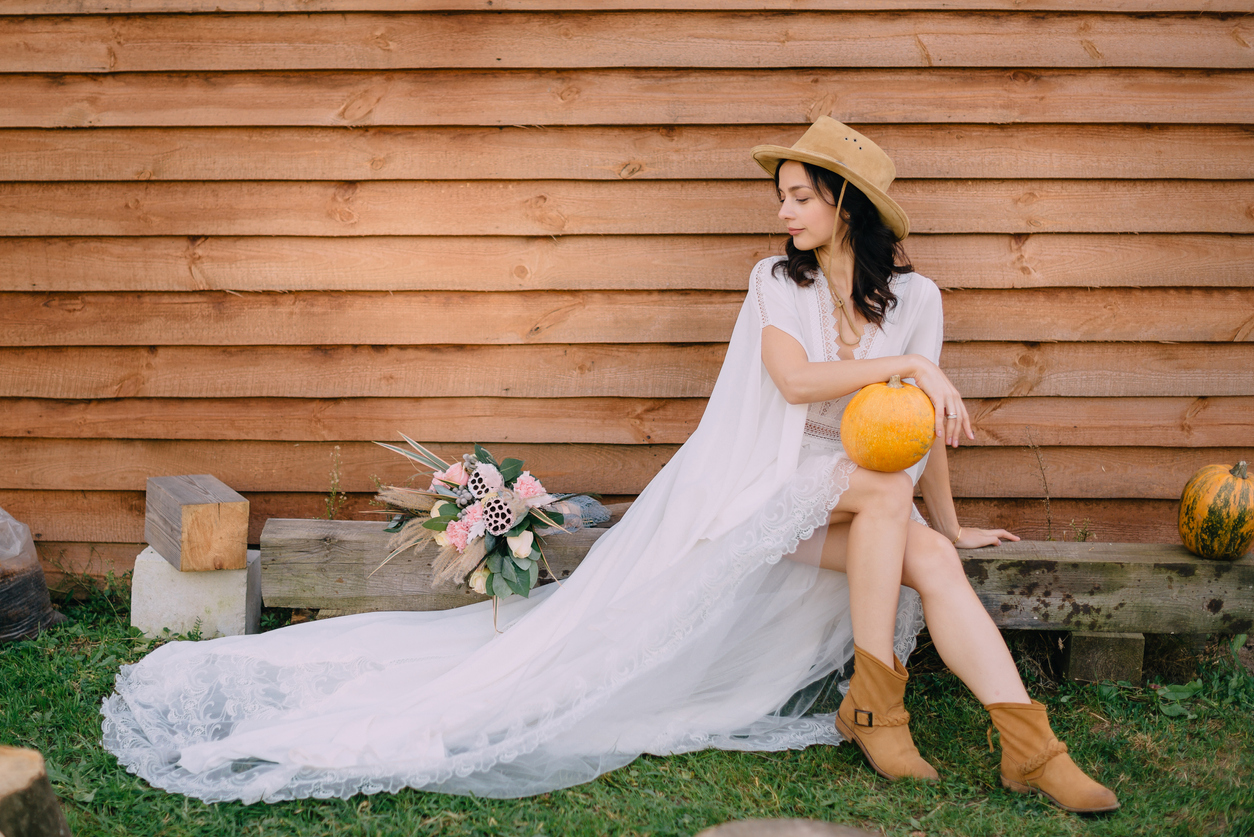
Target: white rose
(441, 539)
(479, 580)
(520, 545)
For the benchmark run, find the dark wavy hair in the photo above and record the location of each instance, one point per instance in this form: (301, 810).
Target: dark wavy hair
(877, 252)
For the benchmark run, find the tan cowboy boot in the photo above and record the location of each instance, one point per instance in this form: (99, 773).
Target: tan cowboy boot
(873, 717)
(1033, 760)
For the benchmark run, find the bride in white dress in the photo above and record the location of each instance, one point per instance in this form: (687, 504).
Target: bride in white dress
(682, 629)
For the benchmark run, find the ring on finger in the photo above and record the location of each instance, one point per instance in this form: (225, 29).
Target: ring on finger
(951, 415)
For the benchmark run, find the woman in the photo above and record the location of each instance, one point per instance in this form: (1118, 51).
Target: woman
(682, 629)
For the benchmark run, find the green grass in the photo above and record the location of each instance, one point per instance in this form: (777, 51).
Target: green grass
(1174, 775)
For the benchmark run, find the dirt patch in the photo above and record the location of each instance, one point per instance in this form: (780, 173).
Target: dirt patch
(1246, 654)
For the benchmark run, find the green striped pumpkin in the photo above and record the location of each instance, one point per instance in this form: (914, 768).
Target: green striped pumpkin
(1217, 512)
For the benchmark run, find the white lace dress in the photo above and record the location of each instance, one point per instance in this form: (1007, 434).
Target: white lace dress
(681, 630)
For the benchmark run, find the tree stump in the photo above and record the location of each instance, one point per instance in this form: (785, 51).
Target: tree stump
(28, 807)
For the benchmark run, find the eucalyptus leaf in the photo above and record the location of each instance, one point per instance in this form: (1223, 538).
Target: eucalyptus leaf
(511, 469)
(523, 564)
(438, 524)
(489, 542)
(397, 523)
(494, 562)
(481, 453)
(519, 586)
(521, 526)
(509, 572)
(533, 574)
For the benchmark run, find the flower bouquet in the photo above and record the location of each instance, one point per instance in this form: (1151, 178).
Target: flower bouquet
(487, 517)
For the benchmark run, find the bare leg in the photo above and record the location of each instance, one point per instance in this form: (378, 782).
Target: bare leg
(874, 512)
(965, 636)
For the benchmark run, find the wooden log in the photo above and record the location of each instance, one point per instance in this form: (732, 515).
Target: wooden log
(979, 370)
(619, 152)
(616, 97)
(71, 7)
(28, 805)
(446, 317)
(1115, 422)
(1025, 585)
(569, 40)
(196, 523)
(515, 263)
(1093, 657)
(545, 207)
(989, 472)
(315, 563)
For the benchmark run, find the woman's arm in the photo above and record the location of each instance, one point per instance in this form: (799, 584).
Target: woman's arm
(802, 381)
(934, 482)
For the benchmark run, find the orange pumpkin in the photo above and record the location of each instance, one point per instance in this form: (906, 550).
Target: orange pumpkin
(888, 427)
(1217, 512)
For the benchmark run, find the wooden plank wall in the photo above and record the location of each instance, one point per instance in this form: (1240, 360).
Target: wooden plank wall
(244, 242)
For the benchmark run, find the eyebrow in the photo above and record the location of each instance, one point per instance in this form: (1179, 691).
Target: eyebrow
(795, 188)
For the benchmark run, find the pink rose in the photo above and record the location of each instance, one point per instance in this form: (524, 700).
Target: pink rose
(456, 474)
(528, 486)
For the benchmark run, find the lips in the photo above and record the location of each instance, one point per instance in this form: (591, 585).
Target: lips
(795, 230)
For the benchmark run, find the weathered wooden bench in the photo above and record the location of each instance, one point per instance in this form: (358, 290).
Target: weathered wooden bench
(1107, 596)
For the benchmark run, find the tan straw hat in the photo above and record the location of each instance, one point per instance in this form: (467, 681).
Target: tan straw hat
(836, 147)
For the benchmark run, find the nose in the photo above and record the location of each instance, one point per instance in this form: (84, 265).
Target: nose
(785, 212)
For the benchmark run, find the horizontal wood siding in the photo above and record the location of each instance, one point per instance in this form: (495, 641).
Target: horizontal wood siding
(247, 237)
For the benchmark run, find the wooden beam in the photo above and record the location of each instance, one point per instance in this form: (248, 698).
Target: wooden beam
(330, 562)
(1032, 585)
(615, 97)
(979, 370)
(196, 522)
(124, 465)
(1149, 422)
(515, 263)
(73, 7)
(450, 318)
(571, 40)
(1111, 587)
(620, 152)
(594, 207)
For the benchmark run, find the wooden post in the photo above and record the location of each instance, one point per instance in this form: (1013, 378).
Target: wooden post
(196, 523)
(1093, 656)
(28, 807)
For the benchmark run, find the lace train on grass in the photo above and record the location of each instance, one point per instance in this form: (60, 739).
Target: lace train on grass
(723, 646)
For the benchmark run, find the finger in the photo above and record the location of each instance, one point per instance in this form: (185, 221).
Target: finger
(1007, 536)
(938, 407)
(966, 422)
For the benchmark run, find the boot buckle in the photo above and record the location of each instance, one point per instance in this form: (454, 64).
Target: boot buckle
(869, 718)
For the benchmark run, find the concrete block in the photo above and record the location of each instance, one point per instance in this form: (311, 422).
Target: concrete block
(224, 602)
(1092, 657)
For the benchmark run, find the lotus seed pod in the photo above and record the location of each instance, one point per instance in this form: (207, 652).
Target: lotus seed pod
(498, 517)
(478, 485)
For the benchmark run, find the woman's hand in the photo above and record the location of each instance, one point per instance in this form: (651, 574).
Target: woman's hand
(952, 418)
(972, 538)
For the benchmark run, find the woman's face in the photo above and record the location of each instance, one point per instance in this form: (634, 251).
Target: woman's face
(808, 214)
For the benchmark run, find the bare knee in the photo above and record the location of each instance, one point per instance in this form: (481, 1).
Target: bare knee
(889, 494)
(932, 566)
